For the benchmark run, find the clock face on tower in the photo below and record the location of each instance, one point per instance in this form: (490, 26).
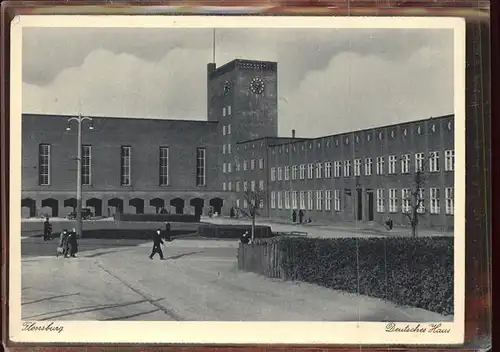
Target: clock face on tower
(227, 87)
(257, 85)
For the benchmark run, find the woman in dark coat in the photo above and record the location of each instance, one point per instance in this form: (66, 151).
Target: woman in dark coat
(72, 243)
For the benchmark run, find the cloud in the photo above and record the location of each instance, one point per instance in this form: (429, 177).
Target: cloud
(356, 92)
(384, 79)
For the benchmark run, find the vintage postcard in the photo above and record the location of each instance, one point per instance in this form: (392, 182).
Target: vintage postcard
(237, 180)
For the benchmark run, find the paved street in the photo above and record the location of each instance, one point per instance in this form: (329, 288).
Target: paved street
(115, 280)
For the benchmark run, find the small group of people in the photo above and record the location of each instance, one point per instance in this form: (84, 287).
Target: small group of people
(68, 244)
(301, 217)
(158, 238)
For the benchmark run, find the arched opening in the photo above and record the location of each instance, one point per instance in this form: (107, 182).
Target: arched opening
(115, 205)
(138, 204)
(158, 203)
(178, 203)
(198, 204)
(217, 203)
(70, 203)
(51, 206)
(30, 205)
(96, 204)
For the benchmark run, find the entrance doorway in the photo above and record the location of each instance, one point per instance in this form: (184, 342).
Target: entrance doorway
(359, 192)
(371, 214)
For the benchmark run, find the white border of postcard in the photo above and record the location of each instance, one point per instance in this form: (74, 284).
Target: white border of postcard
(234, 332)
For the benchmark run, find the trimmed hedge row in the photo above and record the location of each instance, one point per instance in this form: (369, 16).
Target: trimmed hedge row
(157, 217)
(130, 234)
(414, 272)
(233, 231)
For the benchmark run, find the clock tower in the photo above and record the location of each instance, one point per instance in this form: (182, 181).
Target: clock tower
(244, 94)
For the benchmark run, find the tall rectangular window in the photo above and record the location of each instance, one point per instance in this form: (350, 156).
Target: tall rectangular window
(294, 172)
(44, 164)
(337, 169)
(310, 200)
(347, 168)
(287, 199)
(237, 165)
(368, 166)
(319, 200)
(310, 171)
(273, 200)
(392, 164)
(86, 165)
(280, 173)
(449, 160)
(223, 149)
(229, 112)
(229, 148)
(245, 165)
(405, 200)
(201, 166)
(252, 185)
(261, 163)
(435, 206)
(434, 162)
(302, 172)
(380, 165)
(294, 200)
(273, 174)
(252, 164)
(357, 167)
(337, 205)
(245, 186)
(405, 164)
(237, 186)
(302, 199)
(287, 173)
(419, 162)
(125, 173)
(328, 200)
(261, 185)
(164, 152)
(319, 170)
(380, 201)
(229, 168)
(229, 129)
(421, 204)
(393, 200)
(280, 200)
(328, 169)
(450, 200)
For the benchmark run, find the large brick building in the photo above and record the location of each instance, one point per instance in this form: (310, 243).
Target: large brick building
(141, 165)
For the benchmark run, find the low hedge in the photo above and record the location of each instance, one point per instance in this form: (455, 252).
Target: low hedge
(233, 231)
(414, 272)
(130, 234)
(157, 217)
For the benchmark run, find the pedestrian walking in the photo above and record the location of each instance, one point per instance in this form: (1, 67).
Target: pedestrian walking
(245, 237)
(294, 216)
(72, 244)
(157, 242)
(47, 229)
(167, 236)
(389, 224)
(62, 248)
(301, 216)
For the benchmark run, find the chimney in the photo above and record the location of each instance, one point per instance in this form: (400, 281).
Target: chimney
(211, 68)
(293, 133)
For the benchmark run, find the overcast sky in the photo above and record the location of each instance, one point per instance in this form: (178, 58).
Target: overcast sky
(342, 79)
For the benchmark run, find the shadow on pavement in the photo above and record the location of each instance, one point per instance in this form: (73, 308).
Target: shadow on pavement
(184, 255)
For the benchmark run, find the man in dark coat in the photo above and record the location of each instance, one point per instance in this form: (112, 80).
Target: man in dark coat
(73, 243)
(157, 242)
(294, 216)
(301, 216)
(47, 229)
(167, 236)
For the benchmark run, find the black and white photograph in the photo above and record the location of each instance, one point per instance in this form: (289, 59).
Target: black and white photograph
(301, 178)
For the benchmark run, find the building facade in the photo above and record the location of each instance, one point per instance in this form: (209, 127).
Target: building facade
(136, 165)
(363, 176)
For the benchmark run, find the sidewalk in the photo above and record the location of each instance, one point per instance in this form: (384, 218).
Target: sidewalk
(327, 230)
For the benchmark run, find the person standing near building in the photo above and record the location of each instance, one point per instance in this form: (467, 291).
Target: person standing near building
(47, 229)
(157, 242)
(294, 216)
(72, 244)
(301, 216)
(167, 232)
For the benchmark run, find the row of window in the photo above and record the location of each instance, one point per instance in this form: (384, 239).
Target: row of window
(44, 165)
(245, 203)
(324, 169)
(228, 186)
(252, 165)
(399, 200)
(346, 139)
(226, 111)
(226, 130)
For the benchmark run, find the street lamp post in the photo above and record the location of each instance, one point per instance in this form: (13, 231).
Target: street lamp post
(79, 121)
